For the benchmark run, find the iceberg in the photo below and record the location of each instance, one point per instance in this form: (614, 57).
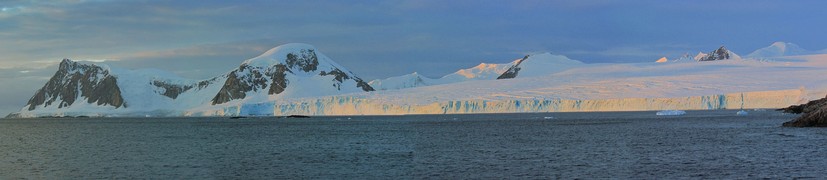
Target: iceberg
(742, 113)
(670, 113)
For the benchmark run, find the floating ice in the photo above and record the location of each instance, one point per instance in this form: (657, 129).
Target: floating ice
(670, 113)
(742, 113)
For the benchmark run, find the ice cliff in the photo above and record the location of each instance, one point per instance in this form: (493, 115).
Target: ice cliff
(297, 79)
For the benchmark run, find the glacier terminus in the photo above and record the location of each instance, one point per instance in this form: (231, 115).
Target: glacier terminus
(298, 79)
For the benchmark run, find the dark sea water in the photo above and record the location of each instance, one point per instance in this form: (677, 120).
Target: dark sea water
(701, 144)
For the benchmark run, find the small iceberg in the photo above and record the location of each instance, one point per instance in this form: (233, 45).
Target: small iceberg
(741, 113)
(670, 113)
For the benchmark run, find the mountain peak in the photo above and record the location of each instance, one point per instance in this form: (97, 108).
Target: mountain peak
(77, 81)
(539, 64)
(778, 48)
(67, 64)
(718, 54)
(282, 70)
(278, 53)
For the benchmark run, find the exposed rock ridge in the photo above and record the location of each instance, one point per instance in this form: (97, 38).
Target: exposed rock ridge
(813, 114)
(74, 81)
(250, 79)
(172, 90)
(513, 70)
(254, 79)
(719, 54)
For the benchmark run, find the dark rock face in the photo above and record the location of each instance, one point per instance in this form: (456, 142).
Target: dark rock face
(805, 108)
(173, 90)
(718, 54)
(340, 76)
(306, 60)
(816, 118)
(513, 70)
(814, 114)
(239, 82)
(279, 77)
(75, 81)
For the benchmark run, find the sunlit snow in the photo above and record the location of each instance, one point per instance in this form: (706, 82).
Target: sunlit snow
(548, 83)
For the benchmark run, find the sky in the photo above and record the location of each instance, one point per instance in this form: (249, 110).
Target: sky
(377, 39)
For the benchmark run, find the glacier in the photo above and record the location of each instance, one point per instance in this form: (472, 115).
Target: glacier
(350, 105)
(549, 83)
(529, 66)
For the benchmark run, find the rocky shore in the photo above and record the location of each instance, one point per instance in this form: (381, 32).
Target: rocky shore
(813, 114)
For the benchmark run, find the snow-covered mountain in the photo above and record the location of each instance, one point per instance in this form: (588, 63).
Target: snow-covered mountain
(685, 58)
(718, 54)
(723, 84)
(287, 71)
(699, 56)
(528, 66)
(81, 83)
(538, 65)
(778, 49)
(297, 79)
(401, 82)
(483, 71)
(86, 89)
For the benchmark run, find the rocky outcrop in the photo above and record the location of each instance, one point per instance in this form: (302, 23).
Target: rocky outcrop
(172, 90)
(279, 79)
(240, 81)
(76, 81)
(306, 60)
(249, 78)
(513, 70)
(806, 107)
(340, 76)
(292, 70)
(719, 54)
(813, 114)
(816, 118)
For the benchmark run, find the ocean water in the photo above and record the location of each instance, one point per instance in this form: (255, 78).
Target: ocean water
(700, 144)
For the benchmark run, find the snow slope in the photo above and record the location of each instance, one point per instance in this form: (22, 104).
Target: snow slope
(287, 71)
(778, 49)
(529, 66)
(541, 85)
(596, 87)
(401, 82)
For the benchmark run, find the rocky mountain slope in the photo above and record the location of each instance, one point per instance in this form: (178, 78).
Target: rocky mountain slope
(288, 71)
(718, 54)
(78, 82)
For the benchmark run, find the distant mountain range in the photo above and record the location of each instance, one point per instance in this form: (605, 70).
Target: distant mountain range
(528, 66)
(296, 71)
(287, 71)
